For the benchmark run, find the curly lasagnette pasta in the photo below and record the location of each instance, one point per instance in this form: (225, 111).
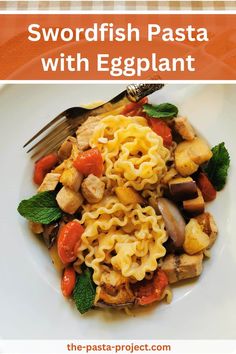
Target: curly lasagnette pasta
(134, 156)
(121, 242)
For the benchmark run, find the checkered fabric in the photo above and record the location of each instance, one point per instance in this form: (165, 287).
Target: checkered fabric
(138, 5)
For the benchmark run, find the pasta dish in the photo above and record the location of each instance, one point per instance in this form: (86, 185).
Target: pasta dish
(121, 205)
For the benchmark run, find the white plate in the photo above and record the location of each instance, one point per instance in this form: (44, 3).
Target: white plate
(31, 304)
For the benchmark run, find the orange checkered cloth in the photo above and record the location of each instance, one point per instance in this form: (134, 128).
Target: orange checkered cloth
(138, 5)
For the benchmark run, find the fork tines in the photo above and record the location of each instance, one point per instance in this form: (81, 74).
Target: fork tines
(56, 131)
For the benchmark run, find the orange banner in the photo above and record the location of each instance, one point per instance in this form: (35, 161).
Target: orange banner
(118, 47)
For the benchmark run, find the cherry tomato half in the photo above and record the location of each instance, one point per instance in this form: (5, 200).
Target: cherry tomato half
(151, 290)
(69, 240)
(90, 162)
(206, 187)
(161, 128)
(43, 166)
(68, 281)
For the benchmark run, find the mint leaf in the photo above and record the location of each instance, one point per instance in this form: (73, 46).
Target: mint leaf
(161, 111)
(41, 208)
(84, 291)
(218, 166)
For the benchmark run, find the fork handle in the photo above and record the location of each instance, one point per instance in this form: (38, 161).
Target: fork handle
(135, 92)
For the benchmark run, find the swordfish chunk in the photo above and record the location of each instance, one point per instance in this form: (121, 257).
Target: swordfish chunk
(182, 267)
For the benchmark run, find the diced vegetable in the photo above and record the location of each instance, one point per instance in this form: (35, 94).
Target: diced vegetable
(183, 162)
(195, 239)
(90, 162)
(174, 221)
(68, 281)
(43, 166)
(183, 188)
(190, 154)
(199, 151)
(206, 187)
(68, 200)
(56, 260)
(69, 240)
(63, 166)
(149, 291)
(184, 128)
(127, 195)
(161, 128)
(195, 206)
(71, 178)
(208, 225)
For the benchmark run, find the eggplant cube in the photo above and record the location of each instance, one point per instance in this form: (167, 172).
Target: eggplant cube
(195, 239)
(195, 206)
(183, 188)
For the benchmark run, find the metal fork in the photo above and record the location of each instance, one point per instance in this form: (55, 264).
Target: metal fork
(67, 122)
